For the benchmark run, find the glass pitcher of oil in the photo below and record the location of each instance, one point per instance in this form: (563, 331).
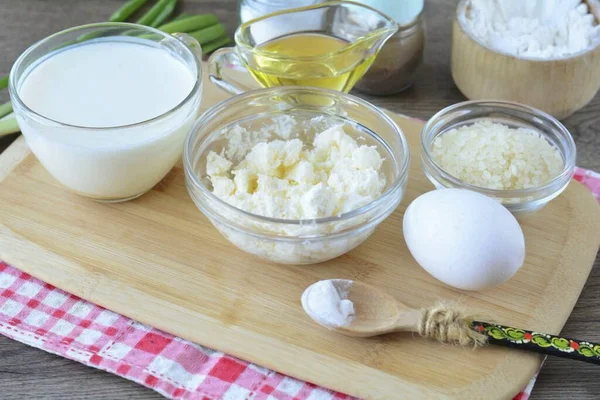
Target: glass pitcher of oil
(329, 45)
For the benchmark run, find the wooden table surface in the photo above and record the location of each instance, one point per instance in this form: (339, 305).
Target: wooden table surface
(30, 373)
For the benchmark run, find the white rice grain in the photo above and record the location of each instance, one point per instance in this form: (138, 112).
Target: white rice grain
(495, 156)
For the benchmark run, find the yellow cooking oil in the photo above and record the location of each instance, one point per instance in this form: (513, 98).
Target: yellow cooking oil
(310, 59)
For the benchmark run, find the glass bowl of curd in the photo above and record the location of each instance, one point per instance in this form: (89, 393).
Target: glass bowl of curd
(296, 175)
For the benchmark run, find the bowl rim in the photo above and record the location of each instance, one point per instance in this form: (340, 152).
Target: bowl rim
(460, 16)
(14, 82)
(403, 162)
(550, 185)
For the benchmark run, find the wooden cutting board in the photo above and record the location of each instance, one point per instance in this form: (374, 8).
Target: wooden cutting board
(158, 260)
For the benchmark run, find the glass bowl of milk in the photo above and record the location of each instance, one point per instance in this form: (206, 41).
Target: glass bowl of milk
(105, 107)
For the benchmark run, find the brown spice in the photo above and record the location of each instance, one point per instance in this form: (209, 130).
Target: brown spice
(394, 68)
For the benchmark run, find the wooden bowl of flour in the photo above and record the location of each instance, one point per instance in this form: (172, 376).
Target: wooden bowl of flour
(558, 86)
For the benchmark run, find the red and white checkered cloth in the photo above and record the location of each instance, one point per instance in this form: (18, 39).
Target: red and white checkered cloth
(40, 315)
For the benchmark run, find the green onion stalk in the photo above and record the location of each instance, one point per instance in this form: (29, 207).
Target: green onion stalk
(208, 34)
(126, 10)
(190, 24)
(215, 44)
(8, 121)
(164, 14)
(9, 125)
(5, 109)
(153, 13)
(181, 16)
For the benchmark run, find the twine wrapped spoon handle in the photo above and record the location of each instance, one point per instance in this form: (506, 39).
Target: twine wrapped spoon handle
(378, 313)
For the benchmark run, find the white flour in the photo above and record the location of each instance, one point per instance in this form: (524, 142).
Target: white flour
(327, 304)
(533, 28)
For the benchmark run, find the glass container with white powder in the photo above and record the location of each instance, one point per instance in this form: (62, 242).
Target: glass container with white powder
(233, 128)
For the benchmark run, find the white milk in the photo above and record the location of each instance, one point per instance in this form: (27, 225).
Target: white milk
(96, 88)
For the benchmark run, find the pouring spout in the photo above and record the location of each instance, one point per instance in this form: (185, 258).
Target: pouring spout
(380, 36)
(361, 23)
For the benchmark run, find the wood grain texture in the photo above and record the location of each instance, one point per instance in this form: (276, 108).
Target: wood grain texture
(30, 373)
(117, 256)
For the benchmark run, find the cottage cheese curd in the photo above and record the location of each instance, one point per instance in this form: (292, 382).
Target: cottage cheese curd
(291, 170)
(282, 179)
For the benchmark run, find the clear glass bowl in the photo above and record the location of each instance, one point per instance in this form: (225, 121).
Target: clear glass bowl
(296, 241)
(514, 115)
(113, 163)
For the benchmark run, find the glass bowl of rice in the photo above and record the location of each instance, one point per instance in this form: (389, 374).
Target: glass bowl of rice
(511, 152)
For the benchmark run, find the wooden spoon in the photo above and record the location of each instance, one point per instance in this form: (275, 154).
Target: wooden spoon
(378, 313)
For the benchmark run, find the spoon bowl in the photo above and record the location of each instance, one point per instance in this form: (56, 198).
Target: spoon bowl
(375, 311)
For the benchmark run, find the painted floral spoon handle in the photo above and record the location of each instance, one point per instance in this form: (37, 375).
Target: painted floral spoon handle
(552, 345)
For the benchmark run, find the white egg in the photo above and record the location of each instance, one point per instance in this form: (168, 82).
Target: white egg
(464, 239)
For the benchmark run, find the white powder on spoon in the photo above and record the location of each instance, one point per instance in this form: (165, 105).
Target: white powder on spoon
(328, 304)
